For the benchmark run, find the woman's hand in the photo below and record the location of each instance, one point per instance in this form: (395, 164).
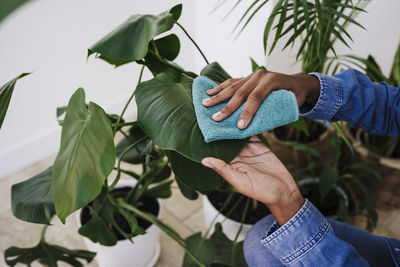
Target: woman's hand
(257, 173)
(255, 88)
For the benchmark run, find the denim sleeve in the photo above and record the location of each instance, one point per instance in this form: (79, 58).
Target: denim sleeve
(307, 239)
(352, 97)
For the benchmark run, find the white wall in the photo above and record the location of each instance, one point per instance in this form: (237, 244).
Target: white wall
(51, 39)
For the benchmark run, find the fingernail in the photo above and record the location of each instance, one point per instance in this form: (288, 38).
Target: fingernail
(217, 115)
(207, 163)
(205, 101)
(241, 123)
(209, 91)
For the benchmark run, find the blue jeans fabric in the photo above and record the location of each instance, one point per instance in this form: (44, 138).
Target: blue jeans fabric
(376, 250)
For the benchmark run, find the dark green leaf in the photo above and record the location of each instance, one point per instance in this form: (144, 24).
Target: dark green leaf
(6, 92)
(217, 250)
(166, 114)
(328, 177)
(194, 175)
(47, 254)
(97, 230)
(301, 125)
(159, 191)
(305, 148)
(9, 6)
(186, 191)
(160, 54)
(86, 156)
(215, 72)
(32, 200)
(130, 40)
(136, 154)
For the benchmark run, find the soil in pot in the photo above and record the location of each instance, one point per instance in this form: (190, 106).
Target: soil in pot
(146, 204)
(218, 199)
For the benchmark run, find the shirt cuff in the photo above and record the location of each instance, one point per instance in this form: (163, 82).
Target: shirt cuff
(330, 99)
(298, 236)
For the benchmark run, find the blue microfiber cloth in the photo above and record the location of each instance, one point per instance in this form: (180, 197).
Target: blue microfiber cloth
(278, 109)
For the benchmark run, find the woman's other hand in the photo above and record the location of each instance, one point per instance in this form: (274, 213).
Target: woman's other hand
(257, 173)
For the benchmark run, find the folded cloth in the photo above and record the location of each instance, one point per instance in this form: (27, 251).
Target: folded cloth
(278, 109)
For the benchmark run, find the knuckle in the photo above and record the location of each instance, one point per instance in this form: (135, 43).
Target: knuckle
(260, 72)
(241, 93)
(256, 96)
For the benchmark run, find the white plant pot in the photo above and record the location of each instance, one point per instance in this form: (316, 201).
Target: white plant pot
(229, 226)
(144, 252)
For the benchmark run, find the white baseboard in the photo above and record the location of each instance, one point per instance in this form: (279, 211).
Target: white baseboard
(45, 144)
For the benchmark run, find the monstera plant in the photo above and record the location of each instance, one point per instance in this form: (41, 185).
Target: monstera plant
(165, 136)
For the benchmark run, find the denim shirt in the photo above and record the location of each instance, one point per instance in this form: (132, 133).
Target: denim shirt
(308, 239)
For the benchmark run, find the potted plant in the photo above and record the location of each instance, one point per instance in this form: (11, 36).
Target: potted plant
(378, 152)
(81, 177)
(340, 190)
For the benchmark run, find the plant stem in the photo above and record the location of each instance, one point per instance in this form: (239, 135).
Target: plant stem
(191, 39)
(43, 233)
(246, 208)
(114, 183)
(129, 196)
(130, 98)
(121, 124)
(131, 173)
(163, 227)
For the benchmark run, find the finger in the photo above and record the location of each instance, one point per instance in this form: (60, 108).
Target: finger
(224, 94)
(221, 86)
(254, 100)
(235, 102)
(221, 167)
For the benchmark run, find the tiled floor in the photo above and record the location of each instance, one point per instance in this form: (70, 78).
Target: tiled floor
(183, 215)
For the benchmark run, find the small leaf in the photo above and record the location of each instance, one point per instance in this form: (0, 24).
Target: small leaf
(159, 191)
(6, 92)
(255, 66)
(86, 156)
(32, 200)
(97, 230)
(46, 254)
(301, 125)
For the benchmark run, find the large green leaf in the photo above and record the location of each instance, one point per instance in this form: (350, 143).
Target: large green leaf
(217, 250)
(47, 254)
(194, 175)
(166, 114)
(130, 40)
(32, 200)
(186, 191)
(6, 92)
(9, 6)
(86, 156)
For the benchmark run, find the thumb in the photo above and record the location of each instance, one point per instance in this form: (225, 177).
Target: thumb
(220, 166)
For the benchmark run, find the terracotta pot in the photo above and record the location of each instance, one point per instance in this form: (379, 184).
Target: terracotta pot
(290, 156)
(387, 193)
